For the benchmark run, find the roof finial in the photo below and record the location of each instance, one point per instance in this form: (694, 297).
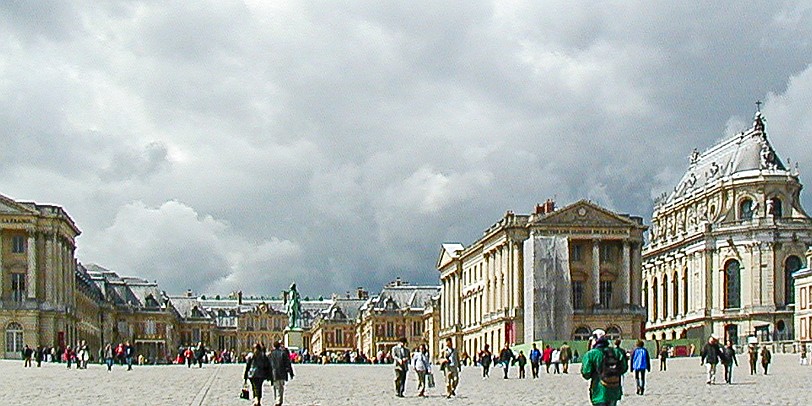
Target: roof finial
(758, 106)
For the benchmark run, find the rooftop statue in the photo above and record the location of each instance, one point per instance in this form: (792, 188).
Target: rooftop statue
(293, 307)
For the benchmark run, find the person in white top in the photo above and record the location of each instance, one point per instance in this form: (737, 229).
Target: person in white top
(556, 358)
(422, 367)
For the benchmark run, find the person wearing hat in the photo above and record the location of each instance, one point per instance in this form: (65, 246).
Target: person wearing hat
(710, 356)
(604, 366)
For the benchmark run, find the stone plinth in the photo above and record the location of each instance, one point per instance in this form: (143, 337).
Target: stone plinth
(294, 338)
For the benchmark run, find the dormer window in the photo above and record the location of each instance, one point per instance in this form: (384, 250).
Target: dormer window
(746, 210)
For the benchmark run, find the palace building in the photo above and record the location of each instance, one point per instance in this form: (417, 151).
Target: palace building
(37, 282)
(803, 303)
(550, 275)
(724, 244)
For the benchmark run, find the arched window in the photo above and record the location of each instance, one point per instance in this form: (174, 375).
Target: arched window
(746, 209)
(14, 340)
(665, 296)
(675, 293)
(655, 302)
(685, 291)
(777, 207)
(645, 295)
(613, 333)
(581, 333)
(732, 284)
(792, 264)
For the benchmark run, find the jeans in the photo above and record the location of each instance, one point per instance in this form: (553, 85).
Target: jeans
(278, 391)
(400, 381)
(521, 372)
(421, 383)
(765, 365)
(640, 378)
(485, 370)
(728, 372)
(452, 379)
(109, 362)
(256, 386)
(507, 369)
(129, 363)
(534, 369)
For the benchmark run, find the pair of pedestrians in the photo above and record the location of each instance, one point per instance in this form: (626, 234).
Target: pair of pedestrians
(275, 367)
(714, 354)
(450, 365)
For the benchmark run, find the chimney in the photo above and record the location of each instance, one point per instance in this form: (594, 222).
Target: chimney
(239, 297)
(362, 294)
(188, 293)
(546, 208)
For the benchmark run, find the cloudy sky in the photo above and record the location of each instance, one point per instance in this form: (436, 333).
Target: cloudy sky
(223, 145)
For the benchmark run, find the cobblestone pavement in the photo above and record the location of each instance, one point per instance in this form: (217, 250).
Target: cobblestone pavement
(683, 384)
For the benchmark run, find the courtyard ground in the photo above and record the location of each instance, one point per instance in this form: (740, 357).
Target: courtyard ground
(683, 384)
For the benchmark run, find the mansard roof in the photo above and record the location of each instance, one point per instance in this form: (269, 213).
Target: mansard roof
(747, 151)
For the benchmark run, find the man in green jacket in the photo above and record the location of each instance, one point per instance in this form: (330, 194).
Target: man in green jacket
(604, 366)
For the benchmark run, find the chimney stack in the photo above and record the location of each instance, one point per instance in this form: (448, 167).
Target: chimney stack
(362, 293)
(239, 297)
(546, 208)
(188, 293)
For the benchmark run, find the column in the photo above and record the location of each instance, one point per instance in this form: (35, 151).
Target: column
(510, 274)
(500, 279)
(49, 267)
(446, 295)
(626, 273)
(32, 266)
(636, 269)
(596, 272)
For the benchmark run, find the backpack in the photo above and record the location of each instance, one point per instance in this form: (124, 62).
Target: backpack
(610, 369)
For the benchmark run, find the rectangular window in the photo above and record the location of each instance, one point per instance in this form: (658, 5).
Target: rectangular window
(577, 295)
(606, 294)
(17, 287)
(339, 337)
(263, 324)
(196, 334)
(150, 328)
(576, 253)
(803, 329)
(390, 329)
(606, 253)
(18, 244)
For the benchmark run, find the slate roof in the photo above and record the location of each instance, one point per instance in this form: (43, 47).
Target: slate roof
(747, 151)
(405, 297)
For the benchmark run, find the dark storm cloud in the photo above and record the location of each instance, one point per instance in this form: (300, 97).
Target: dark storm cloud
(220, 146)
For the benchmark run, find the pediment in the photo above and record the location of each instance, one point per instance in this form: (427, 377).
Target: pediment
(9, 206)
(449, 253)
(585, 213)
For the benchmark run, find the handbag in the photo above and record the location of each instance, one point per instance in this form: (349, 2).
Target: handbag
(430, 380)
(244, 392)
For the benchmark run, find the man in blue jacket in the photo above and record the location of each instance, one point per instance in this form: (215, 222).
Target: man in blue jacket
(535, 361)
(641, 363)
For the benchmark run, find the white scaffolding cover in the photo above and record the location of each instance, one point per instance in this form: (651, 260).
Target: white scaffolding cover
(547, 302)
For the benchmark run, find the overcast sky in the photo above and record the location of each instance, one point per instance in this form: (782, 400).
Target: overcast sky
(220, 146)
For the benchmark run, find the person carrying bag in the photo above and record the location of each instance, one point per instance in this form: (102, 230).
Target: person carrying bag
(257, 370)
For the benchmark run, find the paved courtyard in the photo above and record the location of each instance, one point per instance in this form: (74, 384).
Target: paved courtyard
(682, 384)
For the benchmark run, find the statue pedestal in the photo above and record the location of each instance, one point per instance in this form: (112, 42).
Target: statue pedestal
(294, 339)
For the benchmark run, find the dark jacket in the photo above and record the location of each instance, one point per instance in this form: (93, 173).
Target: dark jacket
(281, 368)
(258, 366)
(730, 356)
(506, 356)
(711, 353)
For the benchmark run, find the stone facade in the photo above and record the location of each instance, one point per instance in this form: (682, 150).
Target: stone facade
(398, 311)
(803, 303)
(37, 284)
(334, 329)
(484, 298)
(724, 243)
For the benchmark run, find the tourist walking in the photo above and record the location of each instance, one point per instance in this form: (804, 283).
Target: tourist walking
(535, 360)
(422, 366)
(200, 354)
(108, 356)
(604, 366)
(189, 355)
(555, 357)
(521, 360)
(547, 357)
(129, 352)
(281, 371)
(69, 355)
(451, 366)
(27, 353)
(752, 353)
(766, 357)
(641, 363)
(710, 356)
(729, 359)
(38, 355)
(804, 359)
(566, 356)
(506, 357)
(663, 358)
(485, 359)
(257, 370)
(82, 355)
(400, 354)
